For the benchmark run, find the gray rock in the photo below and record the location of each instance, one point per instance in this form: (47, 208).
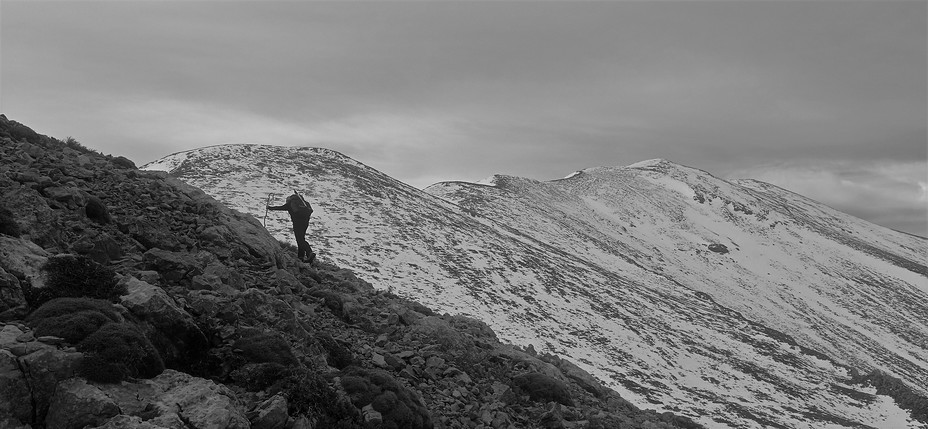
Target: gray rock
(33, 215)
(50, 340)
(228, 276)
(11, 295)
(378, 360)
(175, 399)
(123, 421)
(71, 197)
(8, 335)
(14, 390)
(371, 416)
(286, 283)
(262, 307)
(173, 266)
(24, 259)
(99, 246)
(183, 339)
(77, 404)
(44, 369)
(270, 414)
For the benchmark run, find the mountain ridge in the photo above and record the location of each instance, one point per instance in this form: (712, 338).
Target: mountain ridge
(564, 266)
(218, 325)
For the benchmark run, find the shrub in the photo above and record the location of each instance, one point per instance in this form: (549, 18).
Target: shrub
(97, 211)
(73, 328)
(64, 306)
(116, 352)
(337, 355)
(76, 276)
(255, 377)
(266, 348)
(543, 388)
(399, 406)
(309, 394)
(8, 223)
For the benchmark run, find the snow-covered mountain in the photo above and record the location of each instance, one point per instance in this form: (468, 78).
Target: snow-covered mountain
(737, 303)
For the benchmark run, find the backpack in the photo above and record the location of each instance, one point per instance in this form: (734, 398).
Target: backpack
(300, 206)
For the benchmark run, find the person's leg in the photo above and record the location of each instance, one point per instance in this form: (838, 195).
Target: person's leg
(299, 229)
(300, 234)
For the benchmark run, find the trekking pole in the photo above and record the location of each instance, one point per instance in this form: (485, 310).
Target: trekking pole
(265, 209)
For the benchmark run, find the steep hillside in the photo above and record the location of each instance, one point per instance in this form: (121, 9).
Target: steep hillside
(739, 304)
(129, 299)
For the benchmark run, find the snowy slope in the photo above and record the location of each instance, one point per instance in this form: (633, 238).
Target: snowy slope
(612, 268)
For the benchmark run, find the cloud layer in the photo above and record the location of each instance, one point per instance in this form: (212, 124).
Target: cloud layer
(428, 91)
(893, 194)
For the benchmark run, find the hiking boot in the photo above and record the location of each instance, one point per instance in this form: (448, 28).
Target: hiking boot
(312, 257)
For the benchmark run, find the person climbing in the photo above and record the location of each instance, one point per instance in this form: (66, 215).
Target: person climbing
(299, 211)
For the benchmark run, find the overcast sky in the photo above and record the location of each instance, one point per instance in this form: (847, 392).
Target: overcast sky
(826, 98)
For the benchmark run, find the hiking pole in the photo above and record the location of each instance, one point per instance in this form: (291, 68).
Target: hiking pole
(268, 203)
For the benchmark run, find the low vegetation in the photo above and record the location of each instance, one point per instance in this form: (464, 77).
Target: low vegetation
(75, 276)
(116, 352)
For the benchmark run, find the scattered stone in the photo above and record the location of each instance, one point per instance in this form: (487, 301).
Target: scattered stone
(50, 340)
(371, 416)
(378, 360)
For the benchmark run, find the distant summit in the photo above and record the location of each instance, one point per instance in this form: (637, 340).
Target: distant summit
(738, 303)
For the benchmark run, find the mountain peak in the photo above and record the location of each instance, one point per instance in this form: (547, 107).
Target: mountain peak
(731, 304)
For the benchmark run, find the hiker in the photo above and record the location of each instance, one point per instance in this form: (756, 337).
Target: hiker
(300, 211)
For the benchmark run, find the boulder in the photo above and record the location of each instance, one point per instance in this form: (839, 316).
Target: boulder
(150, 234)
(72, 198)
(24, 259)
(77, 404)
(9, 335)
(96, 211)
(270, 414)
(44, 369)
(212, 304)
(14, 390)
(11, 295)
(37, 221)
(175, 267)
(174, 397)
(171, 329)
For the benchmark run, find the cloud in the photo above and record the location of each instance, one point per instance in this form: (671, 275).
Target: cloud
(889, 193)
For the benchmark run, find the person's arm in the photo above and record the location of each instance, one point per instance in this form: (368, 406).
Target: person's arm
(282, 207)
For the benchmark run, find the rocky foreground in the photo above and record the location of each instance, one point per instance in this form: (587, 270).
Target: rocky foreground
(241, 334)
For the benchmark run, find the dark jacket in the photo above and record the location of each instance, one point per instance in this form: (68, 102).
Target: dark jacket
(295, 207)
